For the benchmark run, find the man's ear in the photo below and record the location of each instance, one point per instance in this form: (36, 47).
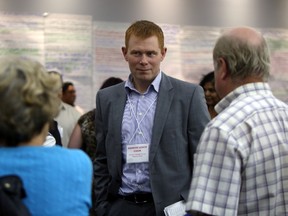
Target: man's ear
(223, 67)
(163, 53)
(124, 52)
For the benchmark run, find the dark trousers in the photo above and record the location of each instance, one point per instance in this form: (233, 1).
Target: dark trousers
(120, 207)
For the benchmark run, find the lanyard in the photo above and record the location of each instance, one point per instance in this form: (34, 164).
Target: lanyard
(138, 129)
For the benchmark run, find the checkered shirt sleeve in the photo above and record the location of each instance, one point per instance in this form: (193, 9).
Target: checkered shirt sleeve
(241, 164)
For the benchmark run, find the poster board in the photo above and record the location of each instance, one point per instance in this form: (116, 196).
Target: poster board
(87, 52)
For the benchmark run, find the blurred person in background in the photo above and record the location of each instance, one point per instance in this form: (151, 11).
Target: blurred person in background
(83, 135)
(208, 84)
(69, 96)
(67, 118)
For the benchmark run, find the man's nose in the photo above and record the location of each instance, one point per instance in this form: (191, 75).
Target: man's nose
(143, 59)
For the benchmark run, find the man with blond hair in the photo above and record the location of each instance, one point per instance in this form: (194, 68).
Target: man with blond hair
(147, 130)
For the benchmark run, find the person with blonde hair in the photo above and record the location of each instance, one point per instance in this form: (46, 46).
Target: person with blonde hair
(57, 181)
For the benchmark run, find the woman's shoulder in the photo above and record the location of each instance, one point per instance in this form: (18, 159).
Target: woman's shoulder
(87, 118)
(42, 151)
(45, 161)
(70, 160)
(51, 155)
(65, 153)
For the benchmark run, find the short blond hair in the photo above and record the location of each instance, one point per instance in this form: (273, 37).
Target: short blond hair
(29, 99)
(144, 29)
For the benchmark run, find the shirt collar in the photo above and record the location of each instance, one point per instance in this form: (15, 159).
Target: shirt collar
(155, 84)
(62, 106)
(243, 91)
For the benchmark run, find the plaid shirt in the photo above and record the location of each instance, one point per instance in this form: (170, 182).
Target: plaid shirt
(241, 164)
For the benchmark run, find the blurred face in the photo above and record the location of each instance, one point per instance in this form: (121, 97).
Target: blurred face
(144, 57)
(69, 96)
(211, 95)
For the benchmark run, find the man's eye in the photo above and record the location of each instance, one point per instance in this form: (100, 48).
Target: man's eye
(136, 53)
(151, 54)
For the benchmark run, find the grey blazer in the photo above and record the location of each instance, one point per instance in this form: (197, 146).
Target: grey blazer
(180, 117)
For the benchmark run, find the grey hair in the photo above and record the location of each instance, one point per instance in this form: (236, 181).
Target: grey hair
(243, 58)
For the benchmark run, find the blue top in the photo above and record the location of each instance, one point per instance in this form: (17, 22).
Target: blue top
(57, 180)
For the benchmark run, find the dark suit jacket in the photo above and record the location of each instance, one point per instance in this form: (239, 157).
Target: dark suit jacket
(55, 132)
(180, 117)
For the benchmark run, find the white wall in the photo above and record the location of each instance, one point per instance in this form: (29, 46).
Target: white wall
(256, 13)
(189, 14)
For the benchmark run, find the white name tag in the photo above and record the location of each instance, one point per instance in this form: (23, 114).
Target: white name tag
(137, 153)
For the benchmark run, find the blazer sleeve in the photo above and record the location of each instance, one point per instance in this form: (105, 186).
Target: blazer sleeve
(101, 174)
(199, 117)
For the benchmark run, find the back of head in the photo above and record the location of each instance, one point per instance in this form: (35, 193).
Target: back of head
(29, 99)
(66, 85)
(207, 78)
(68, 93)
(56, 73)
(58, 76)
(245, 52)
(110, 82)
(145, 29)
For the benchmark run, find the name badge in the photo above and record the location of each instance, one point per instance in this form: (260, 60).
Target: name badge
(137, 153)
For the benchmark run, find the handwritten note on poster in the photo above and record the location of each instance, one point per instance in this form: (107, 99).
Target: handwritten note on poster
(87, 52)
(22, 35)
(68, 49)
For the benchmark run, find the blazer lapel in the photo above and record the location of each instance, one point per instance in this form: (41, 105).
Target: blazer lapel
(118, 106)
(164, 101)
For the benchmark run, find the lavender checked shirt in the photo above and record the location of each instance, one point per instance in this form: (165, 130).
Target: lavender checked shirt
(241, 164)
